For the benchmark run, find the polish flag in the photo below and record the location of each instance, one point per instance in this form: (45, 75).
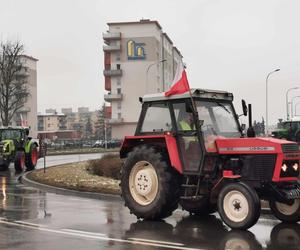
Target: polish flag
(180, 83)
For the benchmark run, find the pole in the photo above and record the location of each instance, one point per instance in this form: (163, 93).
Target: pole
(296, 108)
(287, 102)
(105, 135)
(292, 105)
(148, 68)
(267, 124)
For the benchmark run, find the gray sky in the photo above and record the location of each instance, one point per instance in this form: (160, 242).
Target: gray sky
(226, 44)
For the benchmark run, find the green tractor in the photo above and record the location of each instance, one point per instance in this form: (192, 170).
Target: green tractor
(289, 130)
(16, 146)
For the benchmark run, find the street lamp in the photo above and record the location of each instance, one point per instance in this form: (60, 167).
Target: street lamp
(292, 105)
(287, 102)
(148, 68)
(296, 108)
(267, 98)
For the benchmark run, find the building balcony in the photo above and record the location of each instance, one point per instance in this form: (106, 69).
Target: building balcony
(111, 36)
(115, 121)
(107, 83)
(112, 72)
(111, 48)
(113, 97)
(24, 110)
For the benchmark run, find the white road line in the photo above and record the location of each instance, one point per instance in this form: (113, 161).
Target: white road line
(29, 224)
(97, 237)
(83, 232)
(157, 241)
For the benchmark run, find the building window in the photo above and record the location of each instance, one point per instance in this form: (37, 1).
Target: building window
(119, 105)
(119, 115)
(118, 66)
(119, 81)
(119, 91)
(118, 56)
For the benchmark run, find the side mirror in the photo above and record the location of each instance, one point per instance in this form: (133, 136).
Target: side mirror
(245, 109)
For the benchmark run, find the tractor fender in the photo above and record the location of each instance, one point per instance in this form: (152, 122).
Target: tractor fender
(28, 145)
(227, 177)
(161, 141)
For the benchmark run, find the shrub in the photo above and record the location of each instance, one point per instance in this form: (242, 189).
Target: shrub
(109, 166)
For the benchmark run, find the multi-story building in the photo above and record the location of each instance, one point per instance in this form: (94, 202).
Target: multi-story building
(51, 121)
(139, 58)
(27, 115)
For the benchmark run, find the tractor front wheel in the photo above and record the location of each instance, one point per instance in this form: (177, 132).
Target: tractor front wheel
(285, 212)
(31, 158)
(150, 187)
(19, 161)
(238, 205)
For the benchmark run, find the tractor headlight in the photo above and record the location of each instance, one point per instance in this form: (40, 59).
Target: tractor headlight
(296, 166)
(284, 167)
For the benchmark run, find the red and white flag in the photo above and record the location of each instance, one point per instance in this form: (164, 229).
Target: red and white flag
(180, 83)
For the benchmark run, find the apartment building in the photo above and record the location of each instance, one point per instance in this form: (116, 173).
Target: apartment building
(51, 121)
(27, 115)
(139, 58)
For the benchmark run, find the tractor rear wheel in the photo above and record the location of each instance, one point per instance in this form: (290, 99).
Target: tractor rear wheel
(31, 158)
(150, 187)
(198, 207)
(19, 161)
(285, 212)
(239, 205)
(4, 166)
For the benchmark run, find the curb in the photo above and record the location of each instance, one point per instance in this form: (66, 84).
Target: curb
(62, 191)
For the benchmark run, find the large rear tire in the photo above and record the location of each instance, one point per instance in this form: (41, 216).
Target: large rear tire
(150, 187)
(285, 212)
(239, 205)
(19, 161)
(31, 158)
(4, 166)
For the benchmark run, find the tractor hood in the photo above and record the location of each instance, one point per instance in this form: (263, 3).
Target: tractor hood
(258, 145)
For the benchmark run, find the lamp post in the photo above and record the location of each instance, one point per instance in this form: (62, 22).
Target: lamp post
(296, 108)
(287, 102)
(292, 105)
(148, 68)
(267, 98)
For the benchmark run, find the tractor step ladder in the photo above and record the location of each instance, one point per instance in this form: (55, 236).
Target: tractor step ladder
(194, 187)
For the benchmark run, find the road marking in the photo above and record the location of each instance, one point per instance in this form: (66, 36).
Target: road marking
(29, 224)
(157, 241)
(83, 232)
(96, 237)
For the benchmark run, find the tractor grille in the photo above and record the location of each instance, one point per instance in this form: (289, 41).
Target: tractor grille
(259, 167)
(290, 148)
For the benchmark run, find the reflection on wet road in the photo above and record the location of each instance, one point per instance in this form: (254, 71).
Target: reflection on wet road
(32, 219)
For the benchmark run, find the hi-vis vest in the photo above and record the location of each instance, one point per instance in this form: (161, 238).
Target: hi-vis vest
(184, 125)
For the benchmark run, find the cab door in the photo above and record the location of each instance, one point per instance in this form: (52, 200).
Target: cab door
(189, 146)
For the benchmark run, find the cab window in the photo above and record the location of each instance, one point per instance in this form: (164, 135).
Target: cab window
(157, 118)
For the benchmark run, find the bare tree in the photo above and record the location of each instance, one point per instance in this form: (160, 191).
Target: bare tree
(13, 79)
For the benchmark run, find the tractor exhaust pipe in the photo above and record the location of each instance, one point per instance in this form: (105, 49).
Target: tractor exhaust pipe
(250, 130)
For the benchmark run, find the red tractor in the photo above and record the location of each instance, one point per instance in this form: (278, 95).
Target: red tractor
(193, 152)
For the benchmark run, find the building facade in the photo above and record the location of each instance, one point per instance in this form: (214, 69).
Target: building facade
(27, 115)
(139, 58)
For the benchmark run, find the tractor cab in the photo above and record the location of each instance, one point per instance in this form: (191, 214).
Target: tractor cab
(190, 150)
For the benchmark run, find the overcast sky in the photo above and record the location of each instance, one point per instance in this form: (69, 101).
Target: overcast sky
(227, 44)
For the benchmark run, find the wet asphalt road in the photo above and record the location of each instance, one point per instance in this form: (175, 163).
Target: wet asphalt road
(32, 219)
